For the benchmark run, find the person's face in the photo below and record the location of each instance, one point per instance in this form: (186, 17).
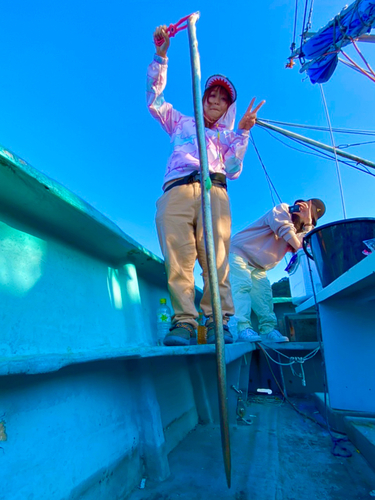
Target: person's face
(216, 104)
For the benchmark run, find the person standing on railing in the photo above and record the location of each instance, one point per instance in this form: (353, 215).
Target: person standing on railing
(179, 213)
(258, 248)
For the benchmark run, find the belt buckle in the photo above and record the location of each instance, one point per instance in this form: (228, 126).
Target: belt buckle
(193, 178)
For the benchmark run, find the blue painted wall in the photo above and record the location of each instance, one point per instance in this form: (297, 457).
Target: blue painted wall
(66, 428)
(79, 417)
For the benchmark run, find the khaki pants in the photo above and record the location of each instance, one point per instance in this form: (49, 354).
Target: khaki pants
(180, 230)
(251, 291)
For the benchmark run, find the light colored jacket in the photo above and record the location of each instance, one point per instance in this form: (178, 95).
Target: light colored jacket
(264, 243)
(225, 147)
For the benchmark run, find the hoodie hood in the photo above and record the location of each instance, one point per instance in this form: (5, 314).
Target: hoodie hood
(225, 150)
(228, 118)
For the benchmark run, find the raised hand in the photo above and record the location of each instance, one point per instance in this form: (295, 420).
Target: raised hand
(305, 211)
(161, 33)
(248, 119)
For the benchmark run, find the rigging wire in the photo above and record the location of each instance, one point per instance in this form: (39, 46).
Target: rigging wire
(318, 153)
(303, 30)
(293, 45)
(323, 129)
(346, 146)
(271, 185)
(325, 156)
(334, 150)
(268, 178)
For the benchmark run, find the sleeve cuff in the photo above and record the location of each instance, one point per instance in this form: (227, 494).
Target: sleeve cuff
(243, 132)
(160, 60)
(289, 235)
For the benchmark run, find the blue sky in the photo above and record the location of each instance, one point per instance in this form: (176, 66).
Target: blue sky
(72, 93)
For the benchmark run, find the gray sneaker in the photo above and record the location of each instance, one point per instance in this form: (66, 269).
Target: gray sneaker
(249, 335)
(275, 336)
(181, 333)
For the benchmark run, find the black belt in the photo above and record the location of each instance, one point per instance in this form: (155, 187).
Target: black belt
(216, 179)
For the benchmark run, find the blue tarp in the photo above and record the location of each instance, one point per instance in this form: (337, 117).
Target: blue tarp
(322, 49)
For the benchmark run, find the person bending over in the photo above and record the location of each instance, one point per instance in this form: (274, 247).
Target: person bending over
(258, 248)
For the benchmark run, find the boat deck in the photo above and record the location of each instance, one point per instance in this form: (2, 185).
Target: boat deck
(280, 456)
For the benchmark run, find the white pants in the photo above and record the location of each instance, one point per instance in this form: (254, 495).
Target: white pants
(251, 290)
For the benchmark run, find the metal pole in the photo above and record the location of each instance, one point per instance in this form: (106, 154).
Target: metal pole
(317, 144)
(209, 243)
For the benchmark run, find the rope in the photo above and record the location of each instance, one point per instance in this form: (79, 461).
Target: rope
(334, 149)
(292, 359)
(268, 178)
(301, 375)
(344, 29)
(362, 57)
(361, 70)
(336, 442)
(367, 25)
(371, 76)
(308, 25)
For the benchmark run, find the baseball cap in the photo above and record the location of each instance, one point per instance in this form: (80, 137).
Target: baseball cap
(223, 81)
(319, 205)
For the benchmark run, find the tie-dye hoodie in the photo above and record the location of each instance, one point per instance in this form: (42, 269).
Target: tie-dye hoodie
(225, 147)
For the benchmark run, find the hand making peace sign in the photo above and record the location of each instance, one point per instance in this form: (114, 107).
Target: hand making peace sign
(248, 119)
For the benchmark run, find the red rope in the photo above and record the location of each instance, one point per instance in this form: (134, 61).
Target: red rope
(362, 57)
(372, 78)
